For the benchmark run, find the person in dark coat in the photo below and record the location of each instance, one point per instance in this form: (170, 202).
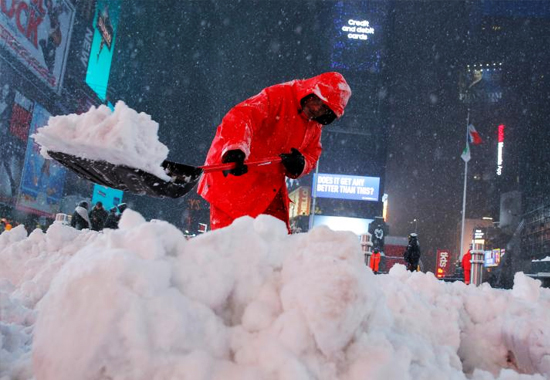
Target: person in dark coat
(80, 219)
(112, 219)
(98, 215)
(121, 207)
(412, 253)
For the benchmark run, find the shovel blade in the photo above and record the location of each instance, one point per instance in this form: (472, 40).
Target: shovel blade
(135, 181)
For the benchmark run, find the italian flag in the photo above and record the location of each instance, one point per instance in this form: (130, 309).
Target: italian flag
(466, 153)
(473, 135)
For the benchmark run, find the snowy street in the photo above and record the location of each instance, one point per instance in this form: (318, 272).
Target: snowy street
(250, 302)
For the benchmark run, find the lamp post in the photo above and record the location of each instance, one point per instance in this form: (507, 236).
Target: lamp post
(415, 221)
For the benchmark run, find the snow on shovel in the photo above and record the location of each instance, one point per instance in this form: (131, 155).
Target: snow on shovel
(121, 150)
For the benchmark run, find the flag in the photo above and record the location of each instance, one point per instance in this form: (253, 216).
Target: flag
(473, 135)
(466, 153)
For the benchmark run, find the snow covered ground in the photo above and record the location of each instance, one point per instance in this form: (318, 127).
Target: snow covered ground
(250, 302)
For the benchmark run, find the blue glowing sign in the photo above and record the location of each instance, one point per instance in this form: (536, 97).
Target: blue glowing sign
(346, 187)
(103, 46)
(42, 181)
(109, 197)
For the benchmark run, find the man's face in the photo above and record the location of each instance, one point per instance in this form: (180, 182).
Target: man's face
(314, 107)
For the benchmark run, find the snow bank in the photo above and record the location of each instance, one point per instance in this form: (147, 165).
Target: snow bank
(122, 137)
(250, 302)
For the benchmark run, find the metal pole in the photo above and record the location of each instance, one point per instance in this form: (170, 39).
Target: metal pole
(313, 198)
(464, 193)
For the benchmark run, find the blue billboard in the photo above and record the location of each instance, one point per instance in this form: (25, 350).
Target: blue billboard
(352, 187)
(103, 46)
(42, 180)
(107, 196)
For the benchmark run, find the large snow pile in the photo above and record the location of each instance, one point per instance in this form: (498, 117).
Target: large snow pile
(250, 302)
(122, 137)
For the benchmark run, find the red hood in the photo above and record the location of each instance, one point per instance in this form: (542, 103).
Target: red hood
(331, 88)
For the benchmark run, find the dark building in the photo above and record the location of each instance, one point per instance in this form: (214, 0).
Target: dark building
(516, 35)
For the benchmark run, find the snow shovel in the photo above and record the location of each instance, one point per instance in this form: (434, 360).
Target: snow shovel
(136, 181)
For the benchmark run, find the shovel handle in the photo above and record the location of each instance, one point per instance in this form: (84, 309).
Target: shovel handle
(231, 165)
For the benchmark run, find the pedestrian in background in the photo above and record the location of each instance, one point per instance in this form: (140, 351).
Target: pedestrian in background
(80, 219)
(467, 266)
(6, 225)
(375, 260)
(98, 215)
(412, 253)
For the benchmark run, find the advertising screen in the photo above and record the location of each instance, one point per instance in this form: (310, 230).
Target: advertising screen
(37, 34)
(109, 197)
(340, 223)
(15, 120)
(103, 46)
(42, 180)
(352, 187)
(358, 35)
(492, 257)
(443, 263)
(480, 84)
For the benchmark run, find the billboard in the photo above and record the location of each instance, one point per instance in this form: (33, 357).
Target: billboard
(443, 263)
(358, 36)
(15, 119)
(42, 180)
(37, 33)
(103, 46)
(492, 257)
(339, 223)
(107, 196)
(300, 201)
(480, 84)
(352, 187)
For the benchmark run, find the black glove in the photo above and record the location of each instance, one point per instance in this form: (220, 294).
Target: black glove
(294, 163)
(236, 156)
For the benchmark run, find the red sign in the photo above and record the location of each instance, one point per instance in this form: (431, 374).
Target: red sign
(501, 133)
(443, 263)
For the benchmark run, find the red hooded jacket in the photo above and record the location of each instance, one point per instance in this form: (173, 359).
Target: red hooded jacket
(467, 261)
(263, 126)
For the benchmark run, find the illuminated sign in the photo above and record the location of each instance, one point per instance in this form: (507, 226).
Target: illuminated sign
(42, 180)
(500, 146)
(443, 263)
(37, 33)
(492, 258)
(346, 187)
(385, 207)
(479, 234)
(358, 30)
(339, 223)
(107, 196)
(300, 201)
(101, 53)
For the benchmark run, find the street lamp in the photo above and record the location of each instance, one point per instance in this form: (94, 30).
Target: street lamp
(415, 221)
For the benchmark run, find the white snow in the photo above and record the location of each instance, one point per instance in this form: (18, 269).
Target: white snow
(547, 258)
(122, 137)
(250, 302)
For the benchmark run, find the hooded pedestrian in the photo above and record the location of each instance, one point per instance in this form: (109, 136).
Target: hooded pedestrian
(412, 253)
(98, 215)
(112, 219)
(283, 120)
(80, 219)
